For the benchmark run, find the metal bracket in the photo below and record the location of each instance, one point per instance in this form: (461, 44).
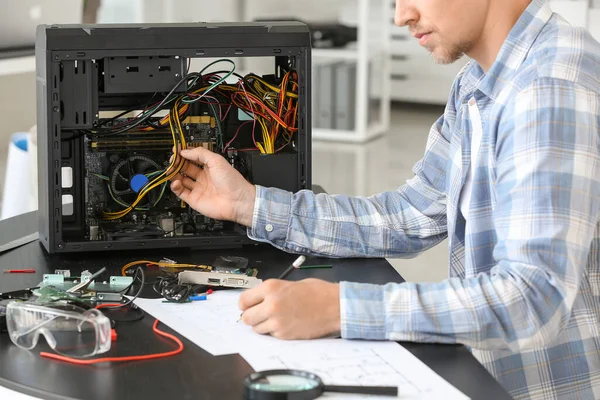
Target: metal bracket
(123, 281)
(53, 279)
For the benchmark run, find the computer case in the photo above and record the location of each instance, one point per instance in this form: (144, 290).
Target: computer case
(113, 101)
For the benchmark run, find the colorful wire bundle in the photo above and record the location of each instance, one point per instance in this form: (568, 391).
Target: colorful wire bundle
(161, 264)
(273, 109)
(171, 171)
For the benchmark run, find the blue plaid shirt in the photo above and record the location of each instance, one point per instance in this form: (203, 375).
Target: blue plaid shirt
(524, 286)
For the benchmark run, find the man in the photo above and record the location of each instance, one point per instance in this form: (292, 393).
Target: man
(511, 175)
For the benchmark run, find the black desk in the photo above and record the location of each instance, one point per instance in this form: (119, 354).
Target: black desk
(194, 374)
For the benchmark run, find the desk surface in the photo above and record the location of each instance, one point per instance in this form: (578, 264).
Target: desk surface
(194, 374)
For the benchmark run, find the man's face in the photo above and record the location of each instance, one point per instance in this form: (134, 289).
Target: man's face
(447, 28)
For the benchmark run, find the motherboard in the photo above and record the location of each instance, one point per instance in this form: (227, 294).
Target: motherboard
(118, 167)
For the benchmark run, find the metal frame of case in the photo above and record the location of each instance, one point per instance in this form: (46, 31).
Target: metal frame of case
(72, 50)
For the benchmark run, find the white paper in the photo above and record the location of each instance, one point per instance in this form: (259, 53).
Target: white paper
(6, 393)
(212, 325)
(361, 363)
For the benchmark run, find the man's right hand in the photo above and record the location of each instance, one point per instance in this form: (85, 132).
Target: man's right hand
(211, 186)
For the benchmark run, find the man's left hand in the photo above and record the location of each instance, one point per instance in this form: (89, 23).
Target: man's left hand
(307, 309)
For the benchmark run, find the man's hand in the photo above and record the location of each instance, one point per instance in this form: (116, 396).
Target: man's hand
(307, 309)
(211, 186)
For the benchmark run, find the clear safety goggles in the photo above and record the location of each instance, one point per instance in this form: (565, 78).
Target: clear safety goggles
(68, 329)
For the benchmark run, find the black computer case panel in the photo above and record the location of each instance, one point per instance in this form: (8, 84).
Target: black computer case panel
(114, 100)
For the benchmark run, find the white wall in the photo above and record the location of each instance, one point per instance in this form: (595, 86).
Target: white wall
(17, 111)
(118, 11)
(314, 10)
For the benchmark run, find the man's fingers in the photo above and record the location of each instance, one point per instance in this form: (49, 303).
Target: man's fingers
(255, 315)
(180, 191)
(187, 182)
(251, 297)
(199, 155)
(190, 169)
(263, 328)
(175, 162)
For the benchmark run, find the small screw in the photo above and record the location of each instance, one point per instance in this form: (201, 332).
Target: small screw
(56, 109)
(56, 57)
(60, 245)
(176, 75)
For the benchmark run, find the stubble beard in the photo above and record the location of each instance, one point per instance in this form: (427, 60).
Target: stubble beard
(448, 53)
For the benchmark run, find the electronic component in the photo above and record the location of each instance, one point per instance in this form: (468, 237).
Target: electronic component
(219, 279)
(61, 282)
(94, 232)
(85, 280)
(5, 298)
(230, 264)
(168, 226)
(3, 304)
(117, 112)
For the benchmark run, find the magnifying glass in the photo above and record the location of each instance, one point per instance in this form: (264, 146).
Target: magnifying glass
(287, 384)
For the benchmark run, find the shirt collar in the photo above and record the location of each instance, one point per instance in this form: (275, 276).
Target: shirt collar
(512, 54)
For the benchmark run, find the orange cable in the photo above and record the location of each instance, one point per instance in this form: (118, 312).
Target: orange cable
(126, 358)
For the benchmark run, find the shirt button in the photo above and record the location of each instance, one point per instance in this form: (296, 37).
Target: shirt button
(269, 228)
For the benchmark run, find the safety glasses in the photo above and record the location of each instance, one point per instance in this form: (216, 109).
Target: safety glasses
(68, 329)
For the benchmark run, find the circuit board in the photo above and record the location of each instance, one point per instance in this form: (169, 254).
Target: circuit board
(118, 167)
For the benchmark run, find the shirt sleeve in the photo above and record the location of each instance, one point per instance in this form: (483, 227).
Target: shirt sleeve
(399, 223)
(548, 202)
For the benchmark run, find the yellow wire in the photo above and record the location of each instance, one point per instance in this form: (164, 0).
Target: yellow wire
(275, 88)
(267, 146)
(162, 264)
(158, 180)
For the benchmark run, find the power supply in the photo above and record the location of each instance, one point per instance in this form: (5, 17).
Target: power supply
(116, 102)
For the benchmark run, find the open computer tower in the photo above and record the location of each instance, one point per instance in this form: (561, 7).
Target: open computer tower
(114, 101)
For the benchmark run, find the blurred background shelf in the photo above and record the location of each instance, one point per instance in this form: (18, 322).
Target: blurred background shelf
(17, 65)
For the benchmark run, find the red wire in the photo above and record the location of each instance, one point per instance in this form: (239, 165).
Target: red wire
(236, 134)
(127, 358)
(99, 306)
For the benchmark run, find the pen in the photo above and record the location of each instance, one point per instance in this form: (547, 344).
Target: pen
(20, 271)
(295, 265)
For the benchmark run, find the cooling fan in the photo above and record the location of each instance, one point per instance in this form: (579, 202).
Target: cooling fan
(130, 175)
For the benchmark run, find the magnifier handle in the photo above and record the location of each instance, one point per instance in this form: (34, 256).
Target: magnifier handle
(372, 390)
